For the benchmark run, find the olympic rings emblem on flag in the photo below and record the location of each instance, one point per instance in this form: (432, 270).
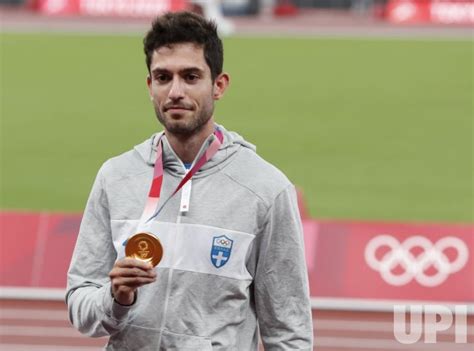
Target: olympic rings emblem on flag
(223, 242)
(415, 267)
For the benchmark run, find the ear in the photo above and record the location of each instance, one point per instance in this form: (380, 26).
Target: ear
(148, 84)
(220, 85)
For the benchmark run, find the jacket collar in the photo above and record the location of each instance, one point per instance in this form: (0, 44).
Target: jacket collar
(231, 144)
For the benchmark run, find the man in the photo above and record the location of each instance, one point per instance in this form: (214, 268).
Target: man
(231, 235)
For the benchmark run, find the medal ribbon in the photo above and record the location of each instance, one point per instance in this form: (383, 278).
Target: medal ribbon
(155, 190)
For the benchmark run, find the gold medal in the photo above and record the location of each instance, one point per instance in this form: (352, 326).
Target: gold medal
(145, 247)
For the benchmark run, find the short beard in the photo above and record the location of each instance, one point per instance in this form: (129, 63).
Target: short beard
(189, 128)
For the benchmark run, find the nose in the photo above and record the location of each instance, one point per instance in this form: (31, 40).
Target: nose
(177, 90)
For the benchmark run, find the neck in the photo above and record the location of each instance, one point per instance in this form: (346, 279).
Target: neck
(186, 147)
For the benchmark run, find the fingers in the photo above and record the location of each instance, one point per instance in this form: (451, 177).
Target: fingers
(132, 282)
(129, 274)
(128, 262)
(132, 268)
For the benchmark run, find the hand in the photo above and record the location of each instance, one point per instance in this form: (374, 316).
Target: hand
(127, 275)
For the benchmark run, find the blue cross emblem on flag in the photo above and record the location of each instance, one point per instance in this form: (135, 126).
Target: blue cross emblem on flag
(220, 251)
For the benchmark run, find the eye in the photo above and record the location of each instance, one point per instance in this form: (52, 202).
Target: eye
(192, 77)
(162, 78)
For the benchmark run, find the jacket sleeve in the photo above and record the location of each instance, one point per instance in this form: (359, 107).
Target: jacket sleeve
(281, 280)
(92, 309)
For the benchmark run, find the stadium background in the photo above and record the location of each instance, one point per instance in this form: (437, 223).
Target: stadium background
(372, 120)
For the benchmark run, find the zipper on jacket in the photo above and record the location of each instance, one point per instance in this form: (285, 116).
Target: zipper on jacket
(170, 277)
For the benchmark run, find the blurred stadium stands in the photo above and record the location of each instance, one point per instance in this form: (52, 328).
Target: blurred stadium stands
(458, 12)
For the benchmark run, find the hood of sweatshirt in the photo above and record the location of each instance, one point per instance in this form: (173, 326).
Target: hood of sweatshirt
(231, 144)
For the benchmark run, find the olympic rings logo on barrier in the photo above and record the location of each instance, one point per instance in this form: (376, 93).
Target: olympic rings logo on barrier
(414, 267)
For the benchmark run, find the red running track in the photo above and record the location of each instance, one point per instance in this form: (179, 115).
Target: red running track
(28, 325)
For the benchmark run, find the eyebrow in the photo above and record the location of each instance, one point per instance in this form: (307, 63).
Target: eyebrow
(182, 71)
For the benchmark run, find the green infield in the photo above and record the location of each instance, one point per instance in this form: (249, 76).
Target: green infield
(368, 129)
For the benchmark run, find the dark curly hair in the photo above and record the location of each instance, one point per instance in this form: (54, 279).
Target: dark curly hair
(186, 27)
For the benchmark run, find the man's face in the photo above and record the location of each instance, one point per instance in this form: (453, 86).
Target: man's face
(181, 88)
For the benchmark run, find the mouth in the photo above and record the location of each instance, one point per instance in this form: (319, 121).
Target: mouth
(177, 108)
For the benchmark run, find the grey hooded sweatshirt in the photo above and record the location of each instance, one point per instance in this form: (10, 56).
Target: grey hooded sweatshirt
(203, 298)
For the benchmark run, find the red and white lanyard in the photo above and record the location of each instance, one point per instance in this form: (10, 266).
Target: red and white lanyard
(151, 210)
